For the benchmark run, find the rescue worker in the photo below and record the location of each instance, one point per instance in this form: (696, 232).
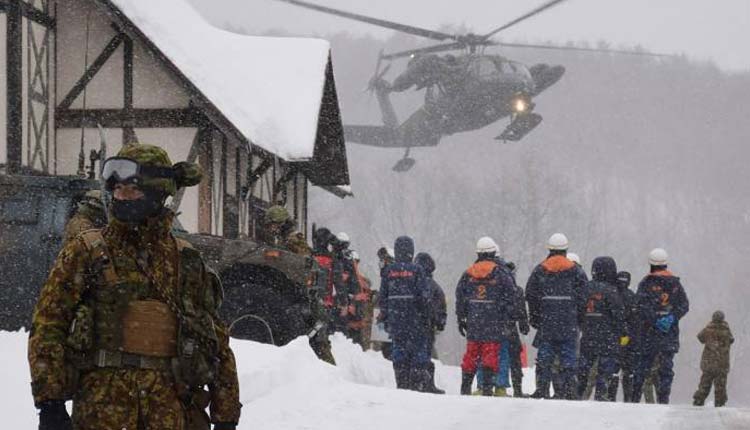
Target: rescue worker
(405, 311)
(515, 346)
(629, 345)
(345, 281)
(555, 294)
(87, 341)
(90, 213)
(717, 340)
(278, 231)
(438, 312)
(359, 319)
(381, 341)
(662, 302)
(325, 293)
(485, 303)
(603, 327)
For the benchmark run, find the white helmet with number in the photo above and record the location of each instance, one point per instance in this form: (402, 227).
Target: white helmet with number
(557, 242)
(485, 245)
(343, 237)
(658, 257)
(572, 256)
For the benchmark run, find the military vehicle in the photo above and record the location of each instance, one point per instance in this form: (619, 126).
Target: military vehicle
(463, 92)
(266, 290)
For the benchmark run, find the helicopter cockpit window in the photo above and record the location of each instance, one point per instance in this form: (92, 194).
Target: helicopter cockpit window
(485, 67)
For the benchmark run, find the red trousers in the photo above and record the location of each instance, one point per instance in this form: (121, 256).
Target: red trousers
(487, 352)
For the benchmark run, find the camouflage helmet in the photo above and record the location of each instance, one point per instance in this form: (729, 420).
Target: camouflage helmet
(277, 214)
(186, 174)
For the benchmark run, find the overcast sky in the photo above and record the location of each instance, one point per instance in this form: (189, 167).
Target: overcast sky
(704, 29)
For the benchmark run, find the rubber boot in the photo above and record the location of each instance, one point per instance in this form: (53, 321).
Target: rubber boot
(542, 388)
(466, 380)
(488, 383)
(403, 376)
(431, 388)
(627, 387)
(614, 382)
(518, 390)
(501, 392)
(568, 385)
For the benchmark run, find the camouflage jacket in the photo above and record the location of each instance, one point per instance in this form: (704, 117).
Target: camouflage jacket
(70, 283)
(717, 339)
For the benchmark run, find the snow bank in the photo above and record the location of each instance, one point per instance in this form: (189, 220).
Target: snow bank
(269, 88)
(289, 388)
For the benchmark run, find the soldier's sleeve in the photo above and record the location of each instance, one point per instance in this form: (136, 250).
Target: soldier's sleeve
(53, 315)
(702, 335)
(645, 306)
(76, 225)
(225, 391)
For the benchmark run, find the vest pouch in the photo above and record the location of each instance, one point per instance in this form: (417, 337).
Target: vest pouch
(197, 360)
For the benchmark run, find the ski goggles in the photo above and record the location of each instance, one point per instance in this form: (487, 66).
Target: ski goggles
(127, 171)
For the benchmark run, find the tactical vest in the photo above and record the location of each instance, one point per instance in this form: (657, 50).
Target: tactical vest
(135, 323)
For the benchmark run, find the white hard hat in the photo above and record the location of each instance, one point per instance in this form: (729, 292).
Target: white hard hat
(658, 257)
(572, 256)
(557, 242)
(355, 255)
(391, 252)
(486, 245)
(343, 237)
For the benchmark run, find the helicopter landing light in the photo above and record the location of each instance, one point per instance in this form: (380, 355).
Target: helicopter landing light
(520, 105)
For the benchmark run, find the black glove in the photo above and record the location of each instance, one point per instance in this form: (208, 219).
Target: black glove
(462, 327)
(225, 426)
(54, 416)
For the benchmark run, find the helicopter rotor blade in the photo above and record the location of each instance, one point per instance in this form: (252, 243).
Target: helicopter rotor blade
(429, 49)
(431, 34)
(581, 49)
(523, 17)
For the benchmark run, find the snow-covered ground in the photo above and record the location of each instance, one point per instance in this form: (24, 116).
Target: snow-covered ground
(288, 388)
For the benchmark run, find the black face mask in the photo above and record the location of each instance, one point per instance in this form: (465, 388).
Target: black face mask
(137, 211)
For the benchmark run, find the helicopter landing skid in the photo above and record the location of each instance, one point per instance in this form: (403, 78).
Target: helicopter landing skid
(404, 164)
(520, 127)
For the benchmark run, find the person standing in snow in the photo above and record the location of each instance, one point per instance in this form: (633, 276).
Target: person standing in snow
(555, 294)
(603, 327)
(438, 312)
(485, 303)
(359, 318)
(325, 293)
(105, 284)
(629, 351)
(405, 311)
(662, 302)
(717, 339)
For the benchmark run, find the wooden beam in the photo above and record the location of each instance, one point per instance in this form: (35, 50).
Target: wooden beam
(89, 74)
(14, 86)
(128, 133)
(136, 118)
(36, 15)
(205, 188)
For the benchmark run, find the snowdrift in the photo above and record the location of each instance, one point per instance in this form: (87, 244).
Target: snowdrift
(289, 388)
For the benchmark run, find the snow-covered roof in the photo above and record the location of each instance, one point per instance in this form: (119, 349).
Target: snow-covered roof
(269, 88)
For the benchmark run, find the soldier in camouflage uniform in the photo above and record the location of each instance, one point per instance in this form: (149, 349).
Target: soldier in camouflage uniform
(278, 231)
(718, 339)
(126, 324)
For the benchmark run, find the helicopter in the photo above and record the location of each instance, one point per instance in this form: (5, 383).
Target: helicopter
(463, 92)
